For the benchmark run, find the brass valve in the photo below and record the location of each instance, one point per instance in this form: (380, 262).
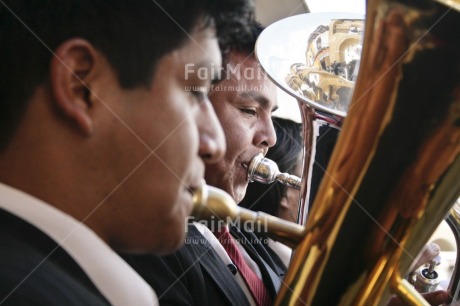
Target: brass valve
(427, 279)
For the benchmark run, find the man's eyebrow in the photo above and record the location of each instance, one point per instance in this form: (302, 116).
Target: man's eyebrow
(262, 100)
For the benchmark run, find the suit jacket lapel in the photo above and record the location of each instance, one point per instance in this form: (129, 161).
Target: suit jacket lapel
(271, 273)
(216, 269)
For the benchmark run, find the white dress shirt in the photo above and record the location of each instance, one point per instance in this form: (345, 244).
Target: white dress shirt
(114, 278)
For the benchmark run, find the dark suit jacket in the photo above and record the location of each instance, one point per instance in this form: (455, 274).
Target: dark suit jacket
(196, 275)
(34, 270)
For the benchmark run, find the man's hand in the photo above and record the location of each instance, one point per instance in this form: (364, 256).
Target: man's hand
(430, 251)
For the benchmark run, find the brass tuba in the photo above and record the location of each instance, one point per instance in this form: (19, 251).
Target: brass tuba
(394, 172)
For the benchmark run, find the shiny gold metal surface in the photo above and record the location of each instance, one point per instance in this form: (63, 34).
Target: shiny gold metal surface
(394, 173)
(327, 75)
(217, 207)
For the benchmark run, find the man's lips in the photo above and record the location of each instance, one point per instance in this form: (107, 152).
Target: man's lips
(245, 166)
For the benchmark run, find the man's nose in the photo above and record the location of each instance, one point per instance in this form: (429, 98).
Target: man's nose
(212, 140)
(266, 136)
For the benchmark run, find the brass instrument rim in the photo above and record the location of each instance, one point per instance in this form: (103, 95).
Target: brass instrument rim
(277, 35)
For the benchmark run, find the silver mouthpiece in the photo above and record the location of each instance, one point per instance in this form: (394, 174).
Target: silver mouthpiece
(265, 171)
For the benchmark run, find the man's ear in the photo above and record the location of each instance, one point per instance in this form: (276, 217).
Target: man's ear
(72, 66)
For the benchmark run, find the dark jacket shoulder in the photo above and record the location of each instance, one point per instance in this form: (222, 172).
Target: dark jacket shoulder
(34, 270)
(193, 275)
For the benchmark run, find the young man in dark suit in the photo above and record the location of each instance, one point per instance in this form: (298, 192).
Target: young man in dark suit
(103, 139)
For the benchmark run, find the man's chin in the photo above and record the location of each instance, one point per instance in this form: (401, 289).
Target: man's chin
(237, 192)
(172, 245)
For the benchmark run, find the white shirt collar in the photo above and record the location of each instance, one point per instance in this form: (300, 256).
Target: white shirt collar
(115, 279)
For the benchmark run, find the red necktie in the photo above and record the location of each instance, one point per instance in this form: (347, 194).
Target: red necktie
(255, 284)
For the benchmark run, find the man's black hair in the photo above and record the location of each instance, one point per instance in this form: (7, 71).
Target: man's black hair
(132, 34)
(241, 39)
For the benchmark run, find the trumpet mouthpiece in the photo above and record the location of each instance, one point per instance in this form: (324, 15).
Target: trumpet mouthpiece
(266, 171)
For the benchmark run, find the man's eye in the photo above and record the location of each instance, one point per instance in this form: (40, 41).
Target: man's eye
(249, 111)
(199, 93)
